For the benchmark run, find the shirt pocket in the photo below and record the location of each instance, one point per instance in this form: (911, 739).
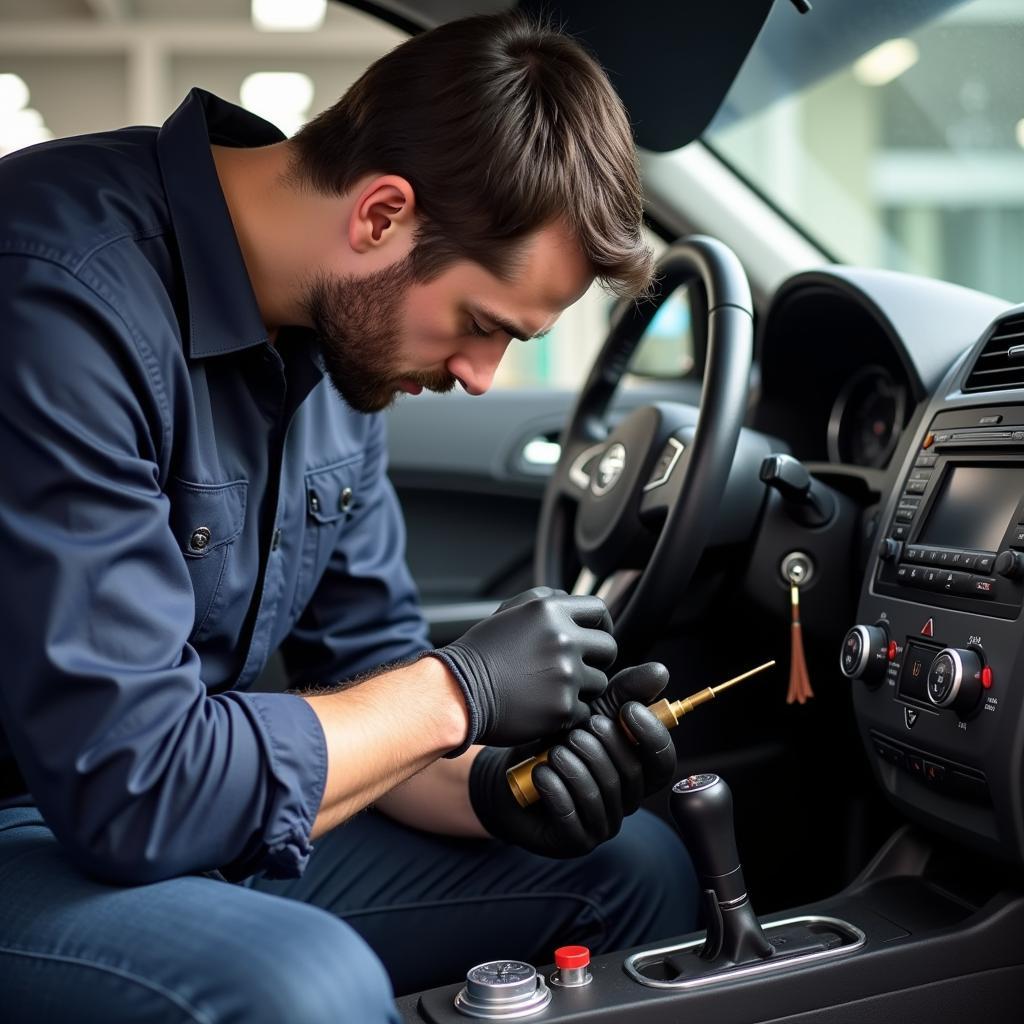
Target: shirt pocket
(331, 498)
(206, 519)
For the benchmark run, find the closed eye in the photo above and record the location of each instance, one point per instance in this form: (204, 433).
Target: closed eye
(480, 332)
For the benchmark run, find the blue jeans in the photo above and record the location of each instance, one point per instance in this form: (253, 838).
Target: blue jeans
(376, 899)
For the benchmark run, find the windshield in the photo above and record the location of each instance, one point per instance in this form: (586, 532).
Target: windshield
(892, 133)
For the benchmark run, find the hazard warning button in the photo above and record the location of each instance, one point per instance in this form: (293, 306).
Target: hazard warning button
(928, 629)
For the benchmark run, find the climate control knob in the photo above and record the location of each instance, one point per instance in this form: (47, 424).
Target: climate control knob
(865, 653)
(954, 680)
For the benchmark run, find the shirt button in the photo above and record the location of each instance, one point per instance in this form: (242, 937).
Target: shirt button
(314, 502)
(200, 539)
(345, 500)
(275, 540)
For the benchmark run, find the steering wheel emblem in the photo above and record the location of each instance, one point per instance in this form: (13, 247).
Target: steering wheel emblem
(609, 469)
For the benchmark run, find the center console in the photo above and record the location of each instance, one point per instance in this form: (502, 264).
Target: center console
(937, 654)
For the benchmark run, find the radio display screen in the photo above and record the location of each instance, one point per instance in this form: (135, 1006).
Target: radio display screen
(974, 506)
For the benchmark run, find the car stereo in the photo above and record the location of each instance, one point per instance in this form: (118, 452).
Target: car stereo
(956, 538)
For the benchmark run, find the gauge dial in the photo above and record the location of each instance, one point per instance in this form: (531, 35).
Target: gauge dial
(866, 418)
(502, 972)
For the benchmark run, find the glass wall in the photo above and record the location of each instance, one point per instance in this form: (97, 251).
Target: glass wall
(910, 156)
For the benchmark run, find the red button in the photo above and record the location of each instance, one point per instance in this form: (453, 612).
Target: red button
(567, 957)
(928, 441)
(892, 650)
(986, 677)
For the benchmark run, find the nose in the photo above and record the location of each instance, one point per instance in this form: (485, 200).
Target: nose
(476, 364)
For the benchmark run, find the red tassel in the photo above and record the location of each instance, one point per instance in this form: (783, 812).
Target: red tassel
(799, 681)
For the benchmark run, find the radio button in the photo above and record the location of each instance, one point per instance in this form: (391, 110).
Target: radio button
(902, 572)
(933, 579)
(899, 531)
(943, 558)
(925, 461)
(930, 556)
(956, 582)
(985, 563)
(920, 474)
(906, 502)
(916, 486)
(904, 515)
(914, 553)
(1017, 540)
(982, 586)
(916, 576)
(968, 560)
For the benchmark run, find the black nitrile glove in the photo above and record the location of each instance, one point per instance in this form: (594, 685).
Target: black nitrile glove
(593, 778)
(532, 668)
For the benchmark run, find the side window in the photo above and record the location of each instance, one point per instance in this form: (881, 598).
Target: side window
(668, 345)
(562, 359)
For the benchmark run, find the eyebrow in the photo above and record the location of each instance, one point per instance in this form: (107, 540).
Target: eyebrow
(513, 330)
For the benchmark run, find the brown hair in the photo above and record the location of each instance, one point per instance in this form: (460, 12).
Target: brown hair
(502, 125)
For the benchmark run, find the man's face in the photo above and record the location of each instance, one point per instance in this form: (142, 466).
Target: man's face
(385, 333)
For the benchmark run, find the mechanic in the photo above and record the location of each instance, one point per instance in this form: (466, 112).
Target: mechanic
(201, 326)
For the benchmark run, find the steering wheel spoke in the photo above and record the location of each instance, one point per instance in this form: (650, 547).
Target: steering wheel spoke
(580, 468)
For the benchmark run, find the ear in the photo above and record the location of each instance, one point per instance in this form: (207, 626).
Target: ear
(382, 213)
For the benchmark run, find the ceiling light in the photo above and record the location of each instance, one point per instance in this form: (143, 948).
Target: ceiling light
(13, 93)
(288, 15)
(20, 128)
(886, 62)
(1020, 133)
(282, 97)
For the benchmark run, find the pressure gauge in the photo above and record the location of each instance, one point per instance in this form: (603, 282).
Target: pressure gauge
(503, 990)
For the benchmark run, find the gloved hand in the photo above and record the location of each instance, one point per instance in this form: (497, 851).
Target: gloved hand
(593, 778)
(531, 668)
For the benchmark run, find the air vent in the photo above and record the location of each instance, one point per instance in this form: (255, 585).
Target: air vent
(1001, 362)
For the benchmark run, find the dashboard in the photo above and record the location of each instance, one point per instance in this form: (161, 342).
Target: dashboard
(846, 359)
(918, 387)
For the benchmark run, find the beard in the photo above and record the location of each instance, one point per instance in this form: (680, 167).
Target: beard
(357, 322)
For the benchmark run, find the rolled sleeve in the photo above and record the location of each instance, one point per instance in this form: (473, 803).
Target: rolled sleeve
(141, 773)
(297, 758)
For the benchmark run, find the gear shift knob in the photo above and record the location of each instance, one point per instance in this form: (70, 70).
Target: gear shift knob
(701, 806)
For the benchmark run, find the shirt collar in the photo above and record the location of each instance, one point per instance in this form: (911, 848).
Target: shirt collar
(222, 312)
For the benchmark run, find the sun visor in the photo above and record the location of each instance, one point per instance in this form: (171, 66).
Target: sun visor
(672, 61)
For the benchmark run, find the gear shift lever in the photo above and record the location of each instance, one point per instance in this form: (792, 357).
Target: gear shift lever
(701, 806)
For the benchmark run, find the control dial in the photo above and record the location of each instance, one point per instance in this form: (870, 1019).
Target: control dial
(1010, 564)
(501, 990)
(954, 680)
(865, 653)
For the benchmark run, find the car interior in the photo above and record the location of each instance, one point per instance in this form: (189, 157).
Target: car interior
(806, 447)
(826, 421)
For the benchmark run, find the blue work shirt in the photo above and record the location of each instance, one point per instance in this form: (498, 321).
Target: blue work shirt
(179, 499)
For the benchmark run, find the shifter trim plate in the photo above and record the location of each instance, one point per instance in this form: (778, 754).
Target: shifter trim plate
(854, 937)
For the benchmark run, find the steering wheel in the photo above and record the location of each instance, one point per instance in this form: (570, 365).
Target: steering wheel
(636, 505)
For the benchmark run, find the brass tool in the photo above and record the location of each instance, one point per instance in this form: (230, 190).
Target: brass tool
(520, 776)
